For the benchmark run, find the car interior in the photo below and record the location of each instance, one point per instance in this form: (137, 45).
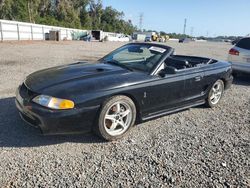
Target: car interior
(185, 62)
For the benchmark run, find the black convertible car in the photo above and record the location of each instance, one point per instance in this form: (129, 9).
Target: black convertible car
(136, 82)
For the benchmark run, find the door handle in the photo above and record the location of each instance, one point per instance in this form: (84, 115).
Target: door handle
(198, 78)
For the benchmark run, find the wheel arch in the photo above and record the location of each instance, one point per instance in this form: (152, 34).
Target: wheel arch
(225, 82)
(135, 101)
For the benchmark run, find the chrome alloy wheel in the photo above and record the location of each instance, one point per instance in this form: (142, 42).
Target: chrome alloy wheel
(118, 118)
(216, 93)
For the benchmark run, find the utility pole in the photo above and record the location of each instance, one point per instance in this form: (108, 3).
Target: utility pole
(185, 25)
(141, 21)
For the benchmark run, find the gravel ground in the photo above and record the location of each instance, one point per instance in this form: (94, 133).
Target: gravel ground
(199, 147)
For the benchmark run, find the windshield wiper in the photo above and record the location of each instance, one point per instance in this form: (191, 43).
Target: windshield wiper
(113, 62)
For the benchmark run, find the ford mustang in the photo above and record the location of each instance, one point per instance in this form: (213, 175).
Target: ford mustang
(134, 83)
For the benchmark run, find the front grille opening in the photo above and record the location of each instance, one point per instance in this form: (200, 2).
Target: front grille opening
(34, 122)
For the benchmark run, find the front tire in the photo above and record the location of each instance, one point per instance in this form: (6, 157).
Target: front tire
(117, 116)
(215, 94)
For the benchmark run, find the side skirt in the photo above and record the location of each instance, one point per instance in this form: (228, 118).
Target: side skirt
(170, 111)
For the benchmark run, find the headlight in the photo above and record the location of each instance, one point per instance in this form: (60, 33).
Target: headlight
(53, 103)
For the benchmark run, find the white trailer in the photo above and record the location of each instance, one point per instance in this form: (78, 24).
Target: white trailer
(13, 30)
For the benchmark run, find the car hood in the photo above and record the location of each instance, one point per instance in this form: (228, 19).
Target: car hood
(69, 80)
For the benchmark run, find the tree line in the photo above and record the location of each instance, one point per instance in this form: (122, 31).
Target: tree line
(81, 14)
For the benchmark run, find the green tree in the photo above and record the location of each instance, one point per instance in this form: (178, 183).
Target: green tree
(5, 9)
(95, 12)
(85, 19)
(85, 14)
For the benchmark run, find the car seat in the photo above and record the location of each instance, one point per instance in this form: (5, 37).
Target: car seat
(178, 64)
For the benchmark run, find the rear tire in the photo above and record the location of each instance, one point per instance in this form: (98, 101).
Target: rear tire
(215, 94)
(117, 116)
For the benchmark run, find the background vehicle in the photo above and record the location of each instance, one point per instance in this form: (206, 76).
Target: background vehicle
(236, 40)
(148, 39)
(239, 56)
(184, 40)
(119, 38)
(138, 81)
(85, 38)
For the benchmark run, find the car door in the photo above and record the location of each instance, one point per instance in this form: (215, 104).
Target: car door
(194, 85)
(163, 93)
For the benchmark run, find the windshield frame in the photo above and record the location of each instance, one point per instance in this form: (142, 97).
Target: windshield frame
(156, 65)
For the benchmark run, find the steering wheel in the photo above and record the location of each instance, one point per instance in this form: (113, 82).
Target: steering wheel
(148, 62)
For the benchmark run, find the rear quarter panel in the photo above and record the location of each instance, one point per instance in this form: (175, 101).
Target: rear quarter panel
(219, 70)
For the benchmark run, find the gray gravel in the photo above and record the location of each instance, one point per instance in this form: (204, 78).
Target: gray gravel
(199, 147)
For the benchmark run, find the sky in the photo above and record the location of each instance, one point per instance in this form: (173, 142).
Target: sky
(204, 17)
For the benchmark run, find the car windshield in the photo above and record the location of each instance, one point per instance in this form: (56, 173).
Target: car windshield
(136, 57)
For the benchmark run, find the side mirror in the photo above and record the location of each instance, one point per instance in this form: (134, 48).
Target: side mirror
(167, 70)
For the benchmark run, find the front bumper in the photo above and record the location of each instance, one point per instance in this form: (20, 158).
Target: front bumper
(241, 67)
(51, 122)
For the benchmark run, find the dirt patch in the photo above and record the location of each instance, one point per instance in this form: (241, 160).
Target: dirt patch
(9, 63)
